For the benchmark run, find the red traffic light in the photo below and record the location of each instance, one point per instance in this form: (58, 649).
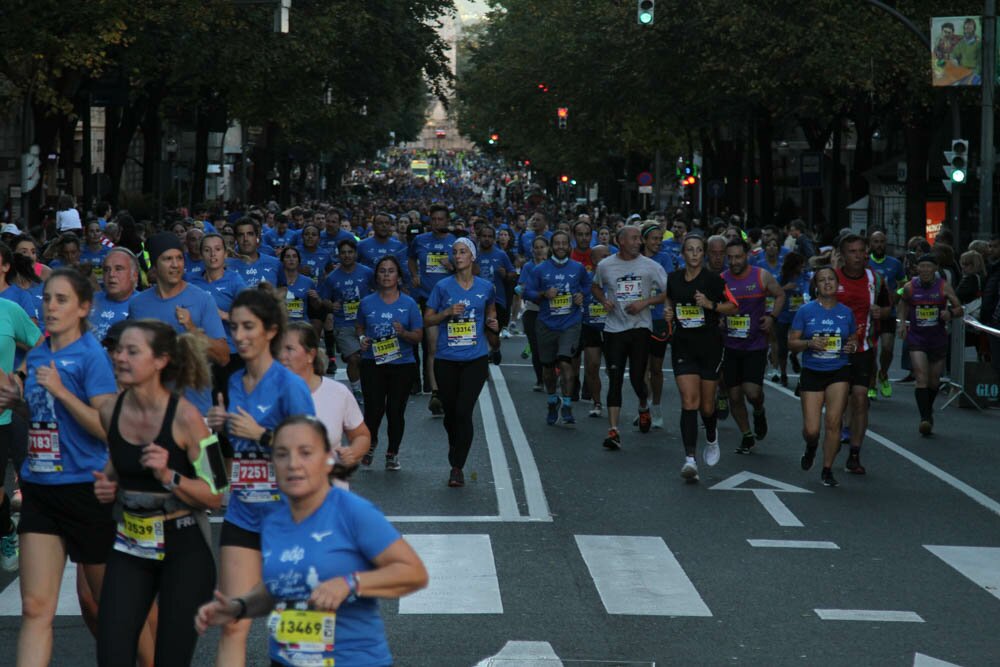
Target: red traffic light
(564, 178)
(689, 180)
(527, 163)
(562, 112)
(544, 87)
(494, 137)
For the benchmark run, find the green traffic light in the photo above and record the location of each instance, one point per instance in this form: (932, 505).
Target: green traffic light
(645, 18)
(958, 176)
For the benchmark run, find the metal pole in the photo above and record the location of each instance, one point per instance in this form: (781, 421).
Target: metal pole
(956, 188)
(987, 150)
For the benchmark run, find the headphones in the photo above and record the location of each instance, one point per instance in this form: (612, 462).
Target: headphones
(330, 461)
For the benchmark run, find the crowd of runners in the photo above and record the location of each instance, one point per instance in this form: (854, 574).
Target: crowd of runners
(151, 373)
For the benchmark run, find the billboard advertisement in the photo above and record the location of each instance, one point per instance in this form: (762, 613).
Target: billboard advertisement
(956, 51)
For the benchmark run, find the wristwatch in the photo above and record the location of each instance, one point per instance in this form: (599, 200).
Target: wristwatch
(175, 481)
(265, 440)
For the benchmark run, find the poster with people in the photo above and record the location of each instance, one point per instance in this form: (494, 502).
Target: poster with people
(956, 51)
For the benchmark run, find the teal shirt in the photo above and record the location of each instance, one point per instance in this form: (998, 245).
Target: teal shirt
(15, 327)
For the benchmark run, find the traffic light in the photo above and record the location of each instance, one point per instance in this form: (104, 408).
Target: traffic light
(562, 113)
(958, 161)
(564, 179)
(689, 180)
(644, 11)
(543, 87)
(494, 138)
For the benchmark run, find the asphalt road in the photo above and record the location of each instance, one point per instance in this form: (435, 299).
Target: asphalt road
(559, 552)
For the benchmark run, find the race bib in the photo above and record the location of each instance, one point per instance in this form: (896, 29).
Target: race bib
(561, 304)
(769, 304)
(309, 633)
(43, 447)
(738, 326)
(435, 262)
(832, 348)
(351, 310)
(628, 290)
(596, 312)
(253, 479)
(386, 349)
(141, 536)
(461, 333)
(796, 302)
(98, 272)
(690, 317)
(927, 316)
(296, 309)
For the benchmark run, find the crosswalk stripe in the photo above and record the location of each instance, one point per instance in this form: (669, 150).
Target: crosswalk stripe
(10, 598)
(980, 564)
(872, 615)
(639, 576)
(463, 576)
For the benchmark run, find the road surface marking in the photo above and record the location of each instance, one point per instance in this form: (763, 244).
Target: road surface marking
(870, 615)
(524, 654)
(506, 500)
(463, 576)
(923, 464)
(980, 564)
(793, 544)
(921, 660)
(639, 576)
(10, 598)
(768, 498)
(534, 493)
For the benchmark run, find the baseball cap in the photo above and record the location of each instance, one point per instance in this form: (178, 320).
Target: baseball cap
(11, 229)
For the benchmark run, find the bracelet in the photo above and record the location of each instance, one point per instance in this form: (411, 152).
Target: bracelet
(352, 587)
(243, 608)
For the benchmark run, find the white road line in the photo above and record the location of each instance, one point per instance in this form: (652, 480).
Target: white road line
(443, 518)
(506, 500)
(921, 660)
(793, 544)
(639, 576)
(463, 576)
(925, 465)
(869, 615)
(777, 509)
(68, 605)
(534, 493)
(980, 564)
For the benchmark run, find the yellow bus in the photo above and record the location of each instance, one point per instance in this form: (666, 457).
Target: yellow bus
(420, 168)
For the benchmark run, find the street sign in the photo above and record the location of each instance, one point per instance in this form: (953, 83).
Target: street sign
(716, 188)
(644, 178)
(645, 189)
(30, 174)
(811, 169)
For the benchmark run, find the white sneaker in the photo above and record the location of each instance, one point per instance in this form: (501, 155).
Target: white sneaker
(689, 470)
(505, 333)
(711, 454)
(658, 423)
(10, 550)
(595, 411)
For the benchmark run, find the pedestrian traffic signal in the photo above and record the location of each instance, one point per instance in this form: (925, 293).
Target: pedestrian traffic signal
(562, 113)
(644, 13)
(494, 139)
(958, 161)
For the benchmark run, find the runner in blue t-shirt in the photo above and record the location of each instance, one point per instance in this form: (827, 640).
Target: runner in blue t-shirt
(341, 295)
(825, 332)
(69, 377)
(261, 396)
(328, 555)
(464, 307)
(296, 287)
(795, 279)
(894, 276)
(223, 285)
(495, 265)
(314, 260)
(253, 266)
(111, 305)
(373, 248)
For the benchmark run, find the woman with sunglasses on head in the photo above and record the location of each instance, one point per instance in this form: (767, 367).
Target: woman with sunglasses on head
(464, 305)
(390, 326)
(261, 395)
(160, 481)
(323, 602)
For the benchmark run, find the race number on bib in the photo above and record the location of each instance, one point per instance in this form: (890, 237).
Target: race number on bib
(738, 326)
(832, 348)
(796, 302)
(597, 312)
(628, 290)
(435, 262)
(461, 333)
(141, 536)
(351, 310)
(561, 304)
(386, 349)
(309, 632)
(927, 316)
(253, 479)
(690, 317)
(43, 447)
(296, 309)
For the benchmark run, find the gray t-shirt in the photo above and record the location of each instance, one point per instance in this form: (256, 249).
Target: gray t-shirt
(624, 281)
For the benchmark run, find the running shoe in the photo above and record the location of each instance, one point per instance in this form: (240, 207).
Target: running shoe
(828, 479)
(711, 454)
(614, 440)
(526, 352)
(872, 394)
(595, 411)
(456, 478)
(657, 423)
(926, 426)
(367, 459)
(796, 366)
(10, 551)
(435, 405)
(808, 457)
(645, 420)
(553, 415)
(760, 424)
(392, 462)
(845, 436)
(853, 464)
(567, 415)
(775, 378)
(512, 329)
(505, 333)
(885, 387)
(746, 445)
(722, 407)
(689, 470)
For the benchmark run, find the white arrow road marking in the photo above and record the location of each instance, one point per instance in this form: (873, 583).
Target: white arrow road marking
(524, 654)
(921, 660)
(768, 498)
(980, 564)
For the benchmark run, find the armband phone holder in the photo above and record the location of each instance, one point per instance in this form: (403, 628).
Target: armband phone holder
(210, 465)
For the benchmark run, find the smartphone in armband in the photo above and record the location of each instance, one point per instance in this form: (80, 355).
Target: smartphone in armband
(210, 465)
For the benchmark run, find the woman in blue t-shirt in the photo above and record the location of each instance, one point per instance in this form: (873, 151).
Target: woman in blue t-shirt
(329, 555)
(390, 326)
(261, 396)
(296, 287)
(465, 307)
(69, 378)
(825, 332)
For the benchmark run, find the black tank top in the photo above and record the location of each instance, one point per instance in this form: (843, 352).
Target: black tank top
(125, 455)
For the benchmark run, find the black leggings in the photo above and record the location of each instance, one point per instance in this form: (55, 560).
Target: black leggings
(530, 318)
(386, 389)
(781, 334)
(183, 580)
(459, 384)
(619, 346)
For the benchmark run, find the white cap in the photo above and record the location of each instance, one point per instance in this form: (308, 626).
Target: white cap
(10, 229)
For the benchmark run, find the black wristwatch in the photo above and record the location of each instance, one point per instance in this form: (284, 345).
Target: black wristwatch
(175, 481)
(265, 440)
(21, 374)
